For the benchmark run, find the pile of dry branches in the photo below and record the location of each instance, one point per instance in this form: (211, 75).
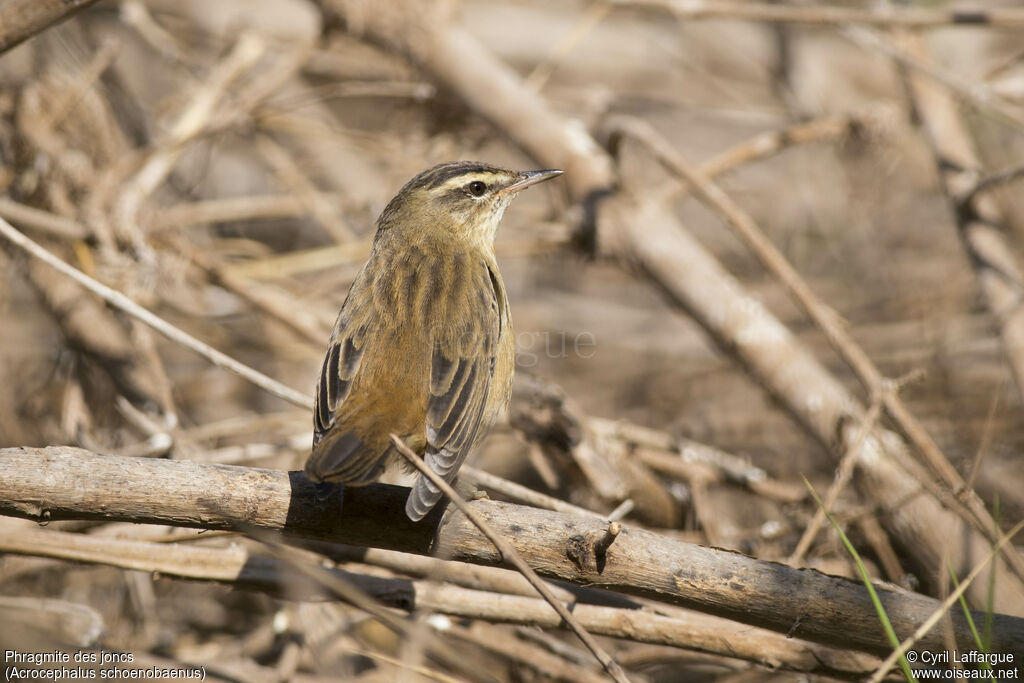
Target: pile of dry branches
(833, 292)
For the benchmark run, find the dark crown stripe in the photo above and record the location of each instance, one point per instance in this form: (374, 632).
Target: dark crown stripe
(437, 176)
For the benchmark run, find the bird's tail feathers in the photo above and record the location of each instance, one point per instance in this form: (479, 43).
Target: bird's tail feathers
(425, 495)
(422, 499)
(345, 458)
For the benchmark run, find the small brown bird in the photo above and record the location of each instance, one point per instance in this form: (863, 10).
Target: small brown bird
(423, 345)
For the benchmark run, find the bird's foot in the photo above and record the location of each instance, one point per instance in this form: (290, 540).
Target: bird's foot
(325, 489)
(470, 492)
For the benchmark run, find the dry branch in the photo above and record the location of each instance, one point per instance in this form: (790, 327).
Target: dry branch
(520, 493)
(910, 17)
(545, 416)
(91, 329)
(44, 221)
(979, 95)
(122, 302)
(491, 579)
(687, 458)
(228, 209)
(740, 324)
(237, 567)
(524, 653)
(68, 483)
(201, 108)
(273, 302)
(69, 621)
(829, 322)
(509, 554)
(980, 220)
(22, 19)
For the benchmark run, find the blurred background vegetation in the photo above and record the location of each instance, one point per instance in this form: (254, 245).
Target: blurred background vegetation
(222, 163)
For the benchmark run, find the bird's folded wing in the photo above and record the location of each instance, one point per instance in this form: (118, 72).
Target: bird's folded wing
(334, 452)
(462, 365)
(336, 375)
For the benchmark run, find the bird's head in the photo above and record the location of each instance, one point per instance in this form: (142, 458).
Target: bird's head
(461, 200)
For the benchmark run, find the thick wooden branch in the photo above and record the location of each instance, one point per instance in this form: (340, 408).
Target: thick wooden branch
(69, 483)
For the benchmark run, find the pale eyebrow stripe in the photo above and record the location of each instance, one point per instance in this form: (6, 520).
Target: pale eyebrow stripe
(460, 180)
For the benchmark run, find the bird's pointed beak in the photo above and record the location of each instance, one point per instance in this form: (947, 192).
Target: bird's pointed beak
(527, 178)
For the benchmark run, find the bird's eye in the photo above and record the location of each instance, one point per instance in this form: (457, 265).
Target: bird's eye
(477, 188)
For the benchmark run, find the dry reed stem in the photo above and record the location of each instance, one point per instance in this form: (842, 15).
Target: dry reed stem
(993, 181)
(134, 13)
(687, 458)
(978, 218)
(509, 554)
(491, 579)
(303, 261)
(910, 17)
(43, 221)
